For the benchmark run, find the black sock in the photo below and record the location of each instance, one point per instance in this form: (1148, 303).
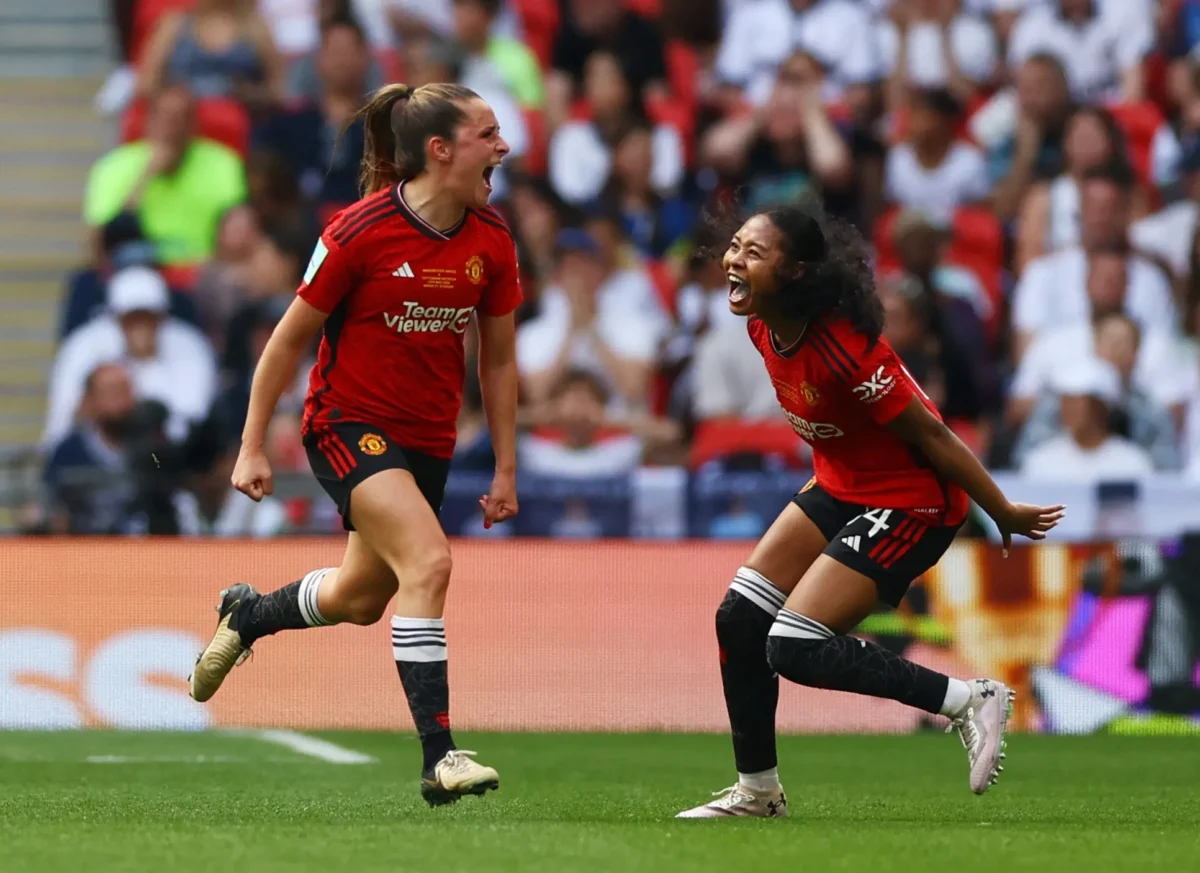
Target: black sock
(808, 653)
(419, 646)
(288, 608)
(750, 684)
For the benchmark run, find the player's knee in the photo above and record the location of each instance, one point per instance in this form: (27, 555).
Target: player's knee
(794, 658)
(431, 570)
(727, 612)
(748, 610)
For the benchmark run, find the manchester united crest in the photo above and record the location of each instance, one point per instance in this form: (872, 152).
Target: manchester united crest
(475, 269)
(811, 397)
(372, 444)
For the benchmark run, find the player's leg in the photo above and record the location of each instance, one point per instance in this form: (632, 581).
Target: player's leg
(357, 592)
(750, 685)
(394, 513)
(809, 643)
(245, 616)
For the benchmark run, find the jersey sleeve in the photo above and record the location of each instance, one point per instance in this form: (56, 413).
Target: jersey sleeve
(878, 380)
(502, 293)
(328, 277)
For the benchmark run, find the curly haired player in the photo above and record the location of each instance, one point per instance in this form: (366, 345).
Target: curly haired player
(394, 283)
(891, 490)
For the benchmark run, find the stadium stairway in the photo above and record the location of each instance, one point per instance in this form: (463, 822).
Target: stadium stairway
(54, 55)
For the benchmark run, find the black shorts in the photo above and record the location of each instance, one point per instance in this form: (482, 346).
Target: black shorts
(890, 546)
(344, 454)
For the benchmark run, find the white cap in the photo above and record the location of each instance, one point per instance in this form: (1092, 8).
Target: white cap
(1088, 377)
(138, 288)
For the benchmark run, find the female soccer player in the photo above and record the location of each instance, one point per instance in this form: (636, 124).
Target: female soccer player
(393, 283)
(890, 492)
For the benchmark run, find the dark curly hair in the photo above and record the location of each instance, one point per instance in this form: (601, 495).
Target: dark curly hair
(837, 279)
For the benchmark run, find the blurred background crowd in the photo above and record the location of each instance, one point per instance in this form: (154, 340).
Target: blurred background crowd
(1028, 172)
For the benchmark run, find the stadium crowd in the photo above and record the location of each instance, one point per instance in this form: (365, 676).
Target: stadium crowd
(1027, 170)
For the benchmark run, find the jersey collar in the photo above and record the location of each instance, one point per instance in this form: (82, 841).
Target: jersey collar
(790, 349)
(421, 225)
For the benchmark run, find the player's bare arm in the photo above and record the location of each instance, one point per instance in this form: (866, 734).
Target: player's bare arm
(498, 378)
(275, 372)
(948, 454)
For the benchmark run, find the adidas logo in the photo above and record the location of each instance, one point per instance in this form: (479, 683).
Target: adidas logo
(852, 542)
(404, 271)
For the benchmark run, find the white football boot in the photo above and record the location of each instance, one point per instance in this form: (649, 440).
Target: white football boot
(455, 775)
(738, 801)
(226, 649)
(981, 728)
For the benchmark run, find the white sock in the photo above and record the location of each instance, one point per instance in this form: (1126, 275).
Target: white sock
(958, 695)
(310, 585)
(767, 780)
(419, 640)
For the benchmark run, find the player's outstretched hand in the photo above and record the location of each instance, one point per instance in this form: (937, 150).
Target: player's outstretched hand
(252, 474)
(501, 503)
(1027, 520)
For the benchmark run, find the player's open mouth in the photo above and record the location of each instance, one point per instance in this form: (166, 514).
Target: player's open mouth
(487, 176)
(739, 289)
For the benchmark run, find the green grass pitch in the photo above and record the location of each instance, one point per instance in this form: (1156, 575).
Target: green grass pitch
(106, 802)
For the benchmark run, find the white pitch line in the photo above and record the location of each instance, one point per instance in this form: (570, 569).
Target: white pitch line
(313, 747)
(164, 759)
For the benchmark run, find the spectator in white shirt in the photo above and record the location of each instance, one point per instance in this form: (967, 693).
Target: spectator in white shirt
(169, 360)
(1140, 414)
(787, 148)
(1169, 233)
(1049, 217)
(1087, 451)
(582, 440)
(838, 33)
(1102, 44)
(760, 34)
(1054, 290)
(701, 307)
(211, 507)
(581, 151)
(728, 378)
(933, 44)
(755, 40)
(1023, 130)
(933, 170)
(1153, 362)
(595, 317)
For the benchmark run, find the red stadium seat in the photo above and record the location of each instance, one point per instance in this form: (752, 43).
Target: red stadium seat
(664, 284)
(539, 141)
(967, 431)
(1158, 91)
(181, 277)
(683, 72)
(721, 438)
(145, 16)
(673, 112)
(651, 9)
(977, 244)
(1139, 122)
(886, 258)
(224, 121)
(391, 64)
(539, 25)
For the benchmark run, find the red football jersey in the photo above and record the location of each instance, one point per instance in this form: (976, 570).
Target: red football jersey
(839, 396)
(400, 295)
